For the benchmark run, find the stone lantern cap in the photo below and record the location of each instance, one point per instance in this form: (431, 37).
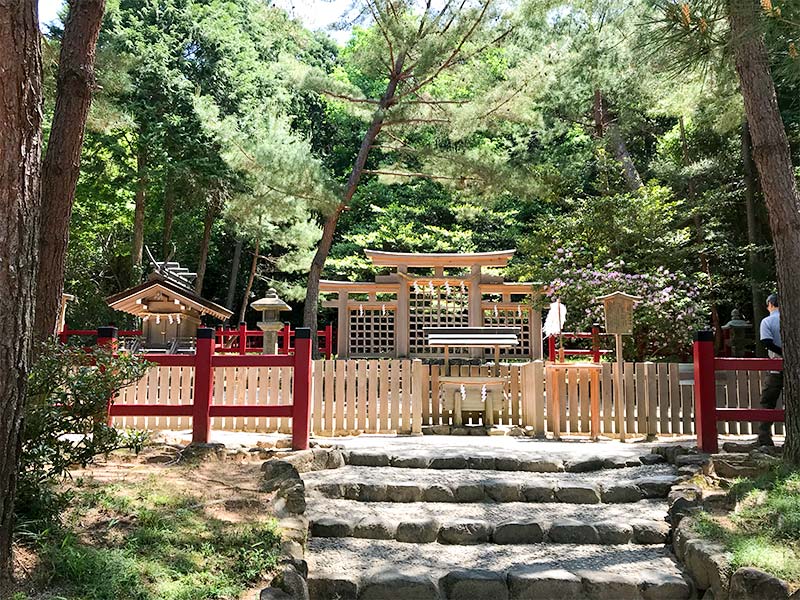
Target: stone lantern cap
(270, 302)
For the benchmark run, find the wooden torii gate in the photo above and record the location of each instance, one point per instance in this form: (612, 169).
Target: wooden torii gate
(386, 317)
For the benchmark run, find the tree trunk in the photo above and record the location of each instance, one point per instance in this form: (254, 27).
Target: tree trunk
(329, 229)
(253, 266)
(169, 214)
(208, 223)
(772, 157)
(605, 128)
(138, 215)
(700, 237)
(74, 87)
(750, 190)
(20, 206)
(237, 258)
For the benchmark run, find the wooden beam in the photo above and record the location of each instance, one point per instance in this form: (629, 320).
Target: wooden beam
(455, 259)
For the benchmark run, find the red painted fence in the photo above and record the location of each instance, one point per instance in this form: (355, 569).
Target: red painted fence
(204, 361)
(705, 391)
(595, 352)
(246, 341)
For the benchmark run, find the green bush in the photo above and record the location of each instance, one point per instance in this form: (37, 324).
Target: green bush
(65, 425)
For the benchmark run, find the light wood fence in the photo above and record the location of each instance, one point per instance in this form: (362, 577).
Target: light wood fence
(401, 396)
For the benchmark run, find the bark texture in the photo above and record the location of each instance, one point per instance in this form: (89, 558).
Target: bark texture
(772, 157)
(20, 197)
(169, 215)
(329, 228)
(237, 257)
(208, 223)
(750, 192)
(250, 280)
(138, 215)
(606, 128)
(74, 86)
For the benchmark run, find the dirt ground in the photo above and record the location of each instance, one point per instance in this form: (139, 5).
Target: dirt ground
(227, 489)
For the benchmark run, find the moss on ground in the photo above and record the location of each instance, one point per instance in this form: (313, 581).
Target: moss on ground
(148, 541)
(764, 529)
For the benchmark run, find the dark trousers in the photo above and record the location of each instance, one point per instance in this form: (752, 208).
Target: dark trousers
(769, 398)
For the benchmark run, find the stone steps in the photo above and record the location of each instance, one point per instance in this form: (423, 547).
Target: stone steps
(369, 484)
(507, 523)
(349, 568)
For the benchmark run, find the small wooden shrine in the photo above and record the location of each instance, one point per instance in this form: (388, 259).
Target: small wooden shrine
(169, 308)
(387, 317)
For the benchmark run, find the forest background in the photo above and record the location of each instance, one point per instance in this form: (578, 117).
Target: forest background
(222, 133)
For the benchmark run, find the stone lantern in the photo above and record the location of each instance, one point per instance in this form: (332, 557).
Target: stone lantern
(270, 307)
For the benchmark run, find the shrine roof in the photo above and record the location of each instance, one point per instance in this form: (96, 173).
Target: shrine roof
(445, 259)
(131, 300)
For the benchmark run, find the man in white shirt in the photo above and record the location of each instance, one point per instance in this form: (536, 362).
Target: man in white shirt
(771, 338)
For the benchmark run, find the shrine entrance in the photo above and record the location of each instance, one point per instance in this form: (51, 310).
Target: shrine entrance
(386, 318)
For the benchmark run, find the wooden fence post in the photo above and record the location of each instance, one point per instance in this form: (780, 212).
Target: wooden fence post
(416, 398)
(301, 402)
(287, 338)
(107, 338)
(203, 385)
(242, 338)
(705, 401)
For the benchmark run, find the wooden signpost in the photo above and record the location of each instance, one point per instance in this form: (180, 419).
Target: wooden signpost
(618, 309)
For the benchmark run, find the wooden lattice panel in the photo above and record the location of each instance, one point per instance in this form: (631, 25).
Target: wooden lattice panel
(510, 317)
(372, 332)
(436, 306)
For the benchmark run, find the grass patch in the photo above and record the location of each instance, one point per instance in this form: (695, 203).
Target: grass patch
(148, 542)
(764, 529)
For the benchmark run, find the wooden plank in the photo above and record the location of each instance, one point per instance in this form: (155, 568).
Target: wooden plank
(361, 395)
(383, 396)
(641, 398)
(152, 396)
(425, 397)
(417, 384)
(372, 396)
(406, 397)
(394, 398)
(743, 398)
(287, 387)
(732, 398)
(629, 391)
(330, 397)
(437, 413)
(583, 394)
(352, 382)
(252, 395)
(537, 372)
(514, 374)
(721, 400)
(231, 395)
(561, 382)
(607, 398)
(652, 399)
(273, 386)
(339, 400)
(662, 373)
(687, 409)
(174, 395)
(572, 376)
(674, 398)
(317, 407)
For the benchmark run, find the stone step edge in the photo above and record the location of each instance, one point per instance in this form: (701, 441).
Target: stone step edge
(463, 531)
(535, 582)
(657, 486)
(496, 463)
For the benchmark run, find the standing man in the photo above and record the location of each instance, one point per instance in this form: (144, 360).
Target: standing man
(771, 338)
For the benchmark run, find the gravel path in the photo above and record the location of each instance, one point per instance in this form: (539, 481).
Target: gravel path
(653, 510)
(395, 475)
(353, 557)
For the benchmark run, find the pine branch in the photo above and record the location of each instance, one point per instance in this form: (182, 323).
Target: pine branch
(406, 121)
(421, 175)
(349, 98)
(378, 22)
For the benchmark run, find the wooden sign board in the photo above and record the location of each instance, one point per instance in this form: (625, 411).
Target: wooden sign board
(618, 308)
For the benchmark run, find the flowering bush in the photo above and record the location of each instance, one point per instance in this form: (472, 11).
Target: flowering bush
(663, 322)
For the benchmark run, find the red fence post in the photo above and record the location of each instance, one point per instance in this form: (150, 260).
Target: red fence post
(107, 338)
(595, 343)
(705, 392)
(63, 337)
(551, 348)
(328, 350)
(301, 403)
(286, 342)
(242, 338)
(203, 385)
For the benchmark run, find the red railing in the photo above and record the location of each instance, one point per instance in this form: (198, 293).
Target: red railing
(203, 408)
(706, 413)
(66, 333)
(595, 352)
(245, 341)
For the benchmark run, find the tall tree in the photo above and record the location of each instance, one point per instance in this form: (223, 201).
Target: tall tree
(20, 200)
(75, 84)
(772, 156)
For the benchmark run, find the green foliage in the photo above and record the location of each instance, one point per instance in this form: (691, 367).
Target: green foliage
(765, 527)
(158, 544)
(64, 427)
